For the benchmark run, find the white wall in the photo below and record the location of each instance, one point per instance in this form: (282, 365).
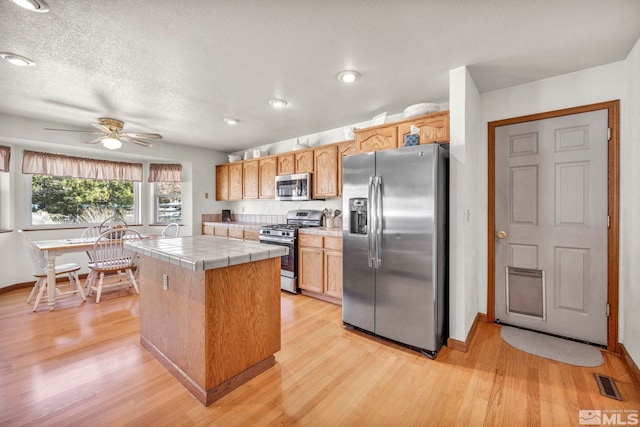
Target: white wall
(198, 179)
(630, 207)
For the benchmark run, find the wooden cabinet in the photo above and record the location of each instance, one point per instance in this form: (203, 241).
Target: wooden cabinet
(231, 233)
(344, 149)
(222, 182)
(251, 235)
(220, 231)
(304, 161)
(433, 128)
(236, 233)
(207, 229)
(250, 179)
(267, 169)
(376, 138)
(286, 164)
(320, 266)
(235, 181)
(325, 178)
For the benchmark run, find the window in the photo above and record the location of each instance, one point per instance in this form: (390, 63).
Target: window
(168, 202)
(58, 200)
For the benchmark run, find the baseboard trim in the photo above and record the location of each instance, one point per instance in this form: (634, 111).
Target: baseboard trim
(463, 346)
(30, 283)
(323, 297)
(631, 365)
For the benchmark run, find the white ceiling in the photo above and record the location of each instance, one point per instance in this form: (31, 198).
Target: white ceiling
(179, 67)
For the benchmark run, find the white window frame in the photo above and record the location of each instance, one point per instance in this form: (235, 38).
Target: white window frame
(156, 204)
(28, 204)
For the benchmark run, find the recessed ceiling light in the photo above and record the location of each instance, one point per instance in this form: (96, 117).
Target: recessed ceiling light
(18, 60)
(348, 76)
(39, 6)
(230, 121)
(278, 103)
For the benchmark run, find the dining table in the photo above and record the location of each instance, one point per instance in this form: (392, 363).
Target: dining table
(55, 248)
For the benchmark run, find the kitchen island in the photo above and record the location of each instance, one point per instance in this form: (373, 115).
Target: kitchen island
(210, 309)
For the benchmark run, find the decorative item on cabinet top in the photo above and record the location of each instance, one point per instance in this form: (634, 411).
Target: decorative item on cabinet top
(234, 158)
(421, 109)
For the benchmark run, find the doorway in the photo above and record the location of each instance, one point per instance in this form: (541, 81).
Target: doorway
(553, 222)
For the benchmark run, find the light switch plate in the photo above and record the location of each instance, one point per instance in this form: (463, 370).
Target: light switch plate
(165, 282)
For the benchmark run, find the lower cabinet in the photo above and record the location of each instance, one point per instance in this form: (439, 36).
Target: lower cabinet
(320, 266)
(231, 233)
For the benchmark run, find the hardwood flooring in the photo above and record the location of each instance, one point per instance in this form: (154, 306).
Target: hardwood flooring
(83, 365)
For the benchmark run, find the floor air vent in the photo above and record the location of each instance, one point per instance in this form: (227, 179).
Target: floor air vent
(607, 386)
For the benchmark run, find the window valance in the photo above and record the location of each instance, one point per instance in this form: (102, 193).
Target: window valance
(34, 162)
(159, 172)
(5, 156)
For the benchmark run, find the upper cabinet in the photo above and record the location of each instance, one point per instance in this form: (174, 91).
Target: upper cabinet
(235, 181)
(286, 164)
(267, 169)
(344, 149)
(222, 182)
(304, 161)
(250, 179)
(325, 178)
(432, 128)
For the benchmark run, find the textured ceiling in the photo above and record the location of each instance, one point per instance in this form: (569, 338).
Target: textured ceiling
(179, 67)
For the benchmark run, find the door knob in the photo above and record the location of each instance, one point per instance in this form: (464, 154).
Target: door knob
(502, 234)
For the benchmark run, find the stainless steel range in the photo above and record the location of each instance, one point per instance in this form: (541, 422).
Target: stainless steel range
(287, 235)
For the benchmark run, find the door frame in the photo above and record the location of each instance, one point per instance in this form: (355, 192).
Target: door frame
(613, 197)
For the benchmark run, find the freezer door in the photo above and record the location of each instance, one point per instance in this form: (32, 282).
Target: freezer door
(405, 291)
(358, 278)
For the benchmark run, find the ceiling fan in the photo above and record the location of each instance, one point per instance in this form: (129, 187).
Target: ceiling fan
(112, 135)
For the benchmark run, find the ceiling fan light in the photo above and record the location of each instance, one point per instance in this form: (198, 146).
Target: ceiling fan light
(15, 59)
(348, 76)
(39, 6)
(111, 143)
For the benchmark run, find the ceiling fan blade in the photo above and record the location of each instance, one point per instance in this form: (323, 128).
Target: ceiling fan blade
(101, 127)
(136, 141)
(95, 141)
(73, 130)
(142, 135)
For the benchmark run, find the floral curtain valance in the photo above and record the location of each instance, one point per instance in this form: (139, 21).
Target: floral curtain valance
(159, 172)
(5, 156)
(34, 162)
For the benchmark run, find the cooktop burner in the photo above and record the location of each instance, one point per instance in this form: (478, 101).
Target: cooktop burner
(280, 227)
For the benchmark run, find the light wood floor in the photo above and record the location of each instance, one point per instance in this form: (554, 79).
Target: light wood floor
(83, 365)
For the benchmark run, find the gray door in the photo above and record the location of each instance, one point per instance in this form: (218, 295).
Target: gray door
(405, 290)
(551, 225)
(358, 279)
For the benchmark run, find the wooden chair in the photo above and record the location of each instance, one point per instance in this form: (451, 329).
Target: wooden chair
(171, 230)
(40, 273)
(110, 257)
(110, 223)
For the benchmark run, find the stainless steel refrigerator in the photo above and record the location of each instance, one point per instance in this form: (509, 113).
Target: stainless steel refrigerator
(395, 244)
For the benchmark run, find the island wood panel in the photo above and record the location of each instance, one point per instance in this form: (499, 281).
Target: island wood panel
(250, 180)
(267, 169)
(210, 333)
(243, 317)
(286, 164)
(222, 182)
(235, 181)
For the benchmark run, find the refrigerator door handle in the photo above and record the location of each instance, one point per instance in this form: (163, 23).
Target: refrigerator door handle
(370, 223)
(378, 221)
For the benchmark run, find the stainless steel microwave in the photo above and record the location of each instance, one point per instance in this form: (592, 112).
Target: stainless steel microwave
(296, 186)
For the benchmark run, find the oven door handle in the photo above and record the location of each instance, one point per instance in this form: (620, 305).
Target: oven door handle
(277, 240)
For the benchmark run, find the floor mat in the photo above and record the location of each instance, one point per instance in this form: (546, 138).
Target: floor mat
(553, 348)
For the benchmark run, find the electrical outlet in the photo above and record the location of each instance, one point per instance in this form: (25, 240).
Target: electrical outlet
(206, 195)
(165, 282)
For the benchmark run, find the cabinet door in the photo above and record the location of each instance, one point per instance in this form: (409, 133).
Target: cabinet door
(325, 178)
(304, 161)
(207, 229)
(220, 231)
(375, 139)
(236, 233)
(310, 269)
(250, 180)
(344, 149)
(235, 181)
(433, 128)
(286, 164)
(333, 273)
(222, 182)
(252, 235)
(267, 168)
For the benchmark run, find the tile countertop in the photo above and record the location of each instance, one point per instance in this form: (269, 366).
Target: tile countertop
(199, 253)
(323, 231)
